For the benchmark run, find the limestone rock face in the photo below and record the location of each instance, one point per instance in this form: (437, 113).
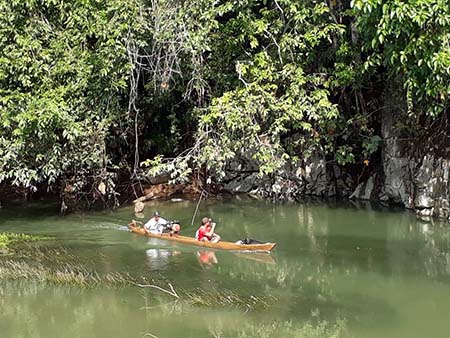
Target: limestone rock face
(417, 179)
(364, 190)
(310, 177)
(397, 185)
(244, 183)
(432, 187)
(413, 176)
(417, 183)
(396, 162)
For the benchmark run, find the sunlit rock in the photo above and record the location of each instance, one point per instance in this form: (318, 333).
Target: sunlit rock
(139, 207)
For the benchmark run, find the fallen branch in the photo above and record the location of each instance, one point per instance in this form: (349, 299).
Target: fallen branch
(149, 335)
(172, 291)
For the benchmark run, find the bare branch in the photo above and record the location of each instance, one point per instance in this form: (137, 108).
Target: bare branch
(171, 292)
(148, 334)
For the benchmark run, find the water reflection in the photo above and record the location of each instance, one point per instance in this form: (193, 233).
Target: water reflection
(357, 240)
(159, 259)
(257, 257)
(207, 258)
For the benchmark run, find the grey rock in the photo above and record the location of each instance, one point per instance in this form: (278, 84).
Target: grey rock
(364, 190)
(423, 201)
(424, 212)
(243, 184)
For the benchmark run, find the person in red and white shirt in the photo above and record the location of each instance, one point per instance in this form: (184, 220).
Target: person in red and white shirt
(206, 231)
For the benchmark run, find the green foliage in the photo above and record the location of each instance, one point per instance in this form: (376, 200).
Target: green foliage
(252, 121)
(272, 97)
(371, 145)
(63, 70)
(89, 88)
(411, 40)
(344, 155)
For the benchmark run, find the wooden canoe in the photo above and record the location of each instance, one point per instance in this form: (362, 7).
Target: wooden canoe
(265, 247)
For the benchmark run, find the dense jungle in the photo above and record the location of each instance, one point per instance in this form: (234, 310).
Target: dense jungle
(279, 98)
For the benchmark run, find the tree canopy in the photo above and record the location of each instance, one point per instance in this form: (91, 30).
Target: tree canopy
(91, 91)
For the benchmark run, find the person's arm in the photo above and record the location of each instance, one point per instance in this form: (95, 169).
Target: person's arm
(145, 227)
(211, 231)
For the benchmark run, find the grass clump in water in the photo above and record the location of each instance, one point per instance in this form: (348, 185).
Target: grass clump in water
(229, 298)
(65, 274)
(7, 240)
(55, 265)
(287, 329)
(20, 259)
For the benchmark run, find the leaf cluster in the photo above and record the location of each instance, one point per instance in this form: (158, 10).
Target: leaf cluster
(410, 40)
(63, 76)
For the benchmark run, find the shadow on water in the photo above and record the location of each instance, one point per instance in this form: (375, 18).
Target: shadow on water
(30, 210)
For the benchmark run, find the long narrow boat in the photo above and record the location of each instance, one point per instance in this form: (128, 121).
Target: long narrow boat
(264, 247)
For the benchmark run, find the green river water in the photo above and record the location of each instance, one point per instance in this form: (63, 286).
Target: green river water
(376, 272)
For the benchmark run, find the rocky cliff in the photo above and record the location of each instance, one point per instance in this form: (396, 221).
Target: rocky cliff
(410, 174)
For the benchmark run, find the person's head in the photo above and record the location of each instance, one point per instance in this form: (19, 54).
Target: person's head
(156, 214)
(176, 228)
(205, 220)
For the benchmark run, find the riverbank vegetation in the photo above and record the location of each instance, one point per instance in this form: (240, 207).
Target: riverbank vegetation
(9, 240)
(97, 96)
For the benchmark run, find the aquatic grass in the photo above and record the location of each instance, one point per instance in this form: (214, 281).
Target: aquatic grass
(66, 274)
(59, 266)
(50, 255)
(230, 298)
(286, 329)
(9, 239)
(276, 329)
(76, 274)
(50, 264)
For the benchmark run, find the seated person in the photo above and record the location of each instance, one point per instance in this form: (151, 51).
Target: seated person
(206, 231)
(173, 227)
(156, 224)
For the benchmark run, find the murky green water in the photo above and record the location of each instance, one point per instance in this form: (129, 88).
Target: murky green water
(383, 272)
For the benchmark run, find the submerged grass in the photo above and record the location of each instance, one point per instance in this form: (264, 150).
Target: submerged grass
(277, 329)
(20, 259)
(68, 274)
(7, 240)
(230, 298)
(57, 265)
(47, 263)
(286, 329)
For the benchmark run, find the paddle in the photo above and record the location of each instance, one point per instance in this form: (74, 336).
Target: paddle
(196, 208)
